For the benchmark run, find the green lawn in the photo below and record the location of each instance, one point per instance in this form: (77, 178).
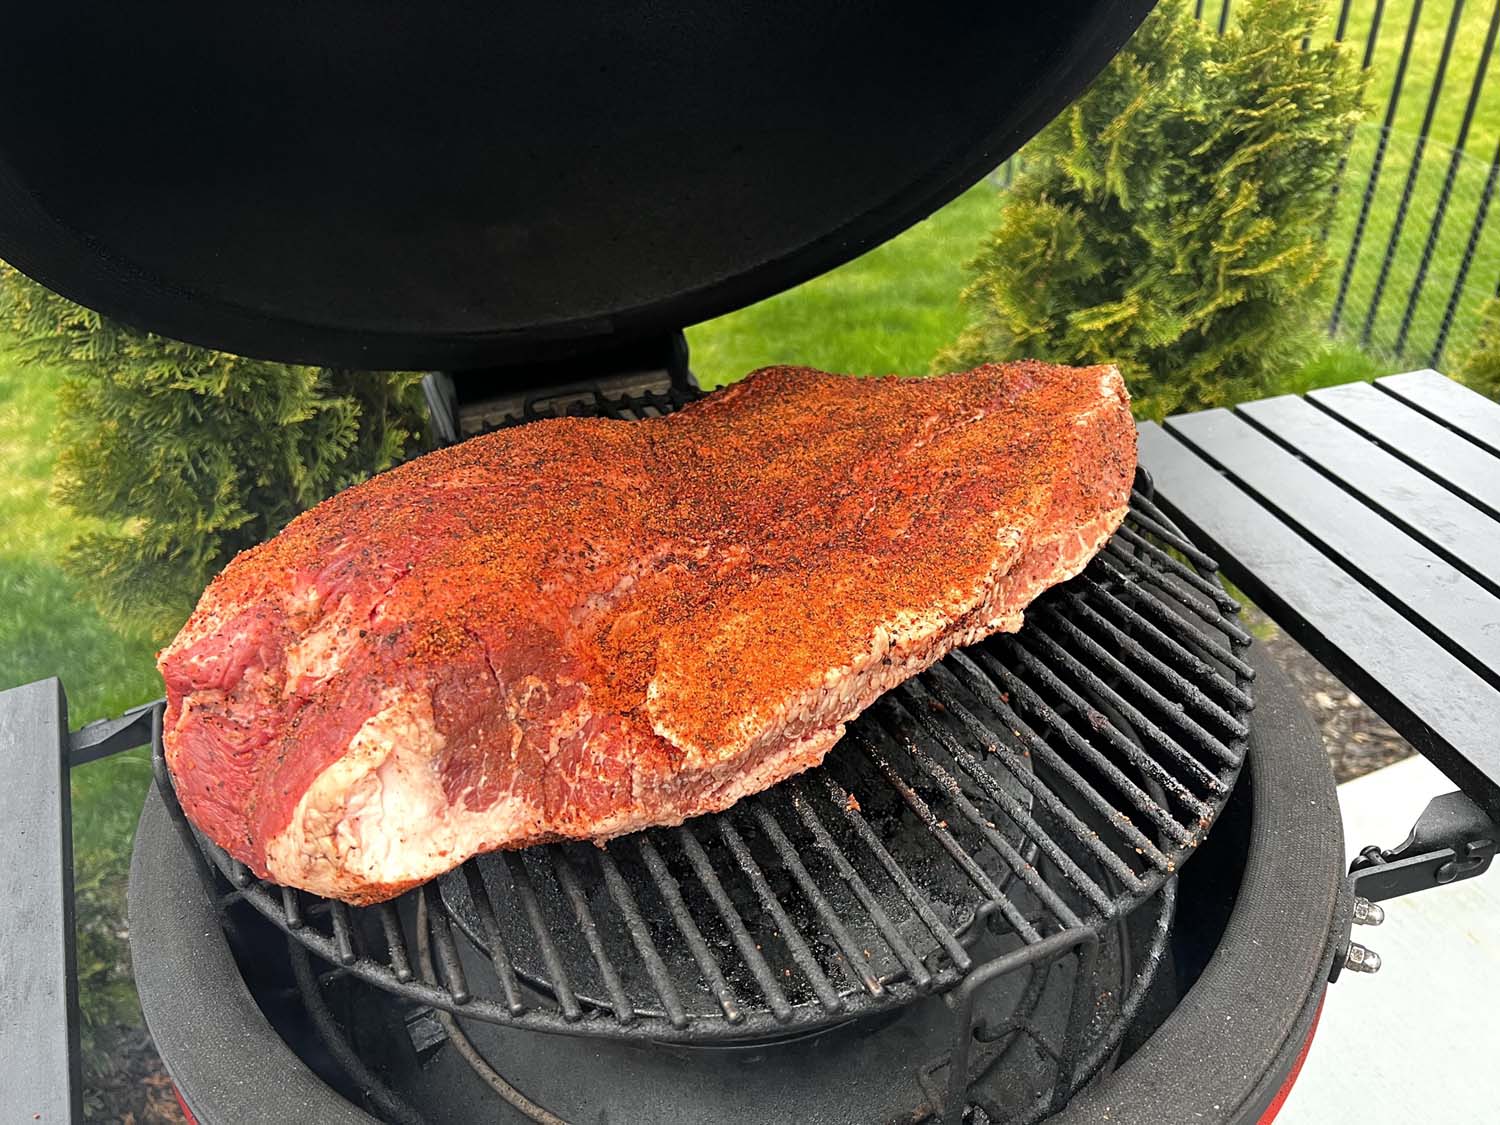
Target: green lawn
(47, 624)
(886, 312)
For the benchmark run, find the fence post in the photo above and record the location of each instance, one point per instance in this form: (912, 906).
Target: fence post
(1412, 173)
(1224, 17)
(1338, 34)
(1433, 231)
(1380, 147)
(1451, 309)
(1338, 37)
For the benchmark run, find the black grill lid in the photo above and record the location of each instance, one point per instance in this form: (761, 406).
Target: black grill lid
(399, 184)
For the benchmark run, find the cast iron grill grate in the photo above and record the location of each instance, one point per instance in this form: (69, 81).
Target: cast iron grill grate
(1035, 787)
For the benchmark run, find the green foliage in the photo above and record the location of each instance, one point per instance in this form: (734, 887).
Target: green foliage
(1171, 220)
(1479, 365)
(189, 455)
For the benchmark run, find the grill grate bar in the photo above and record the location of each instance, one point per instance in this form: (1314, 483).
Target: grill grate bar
(1041, 751)
(291, 907)
(1021, 692)
(1027, 872)
(849, 808)
(801, 802)
(1149, 575)
(1195, 665)
(500, 957)
(671, 893)
(1008, 909)
(1218, 611)
(1181, 628)
(1142, 504)
(531, 906)
(1148, 730)
(1169, 535)
(1192, 695)
(759, 968)
(1141, 689)
(1116, 619)
(825, 911)
(342, 938)
(395, 942)
(823, 988)
(568, 880)
(974, 767)
(1212, 590)
(640, 936)
(1052, 801)
(447, 951)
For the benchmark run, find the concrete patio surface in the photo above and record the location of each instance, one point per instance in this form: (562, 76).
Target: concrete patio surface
(1419, 1041)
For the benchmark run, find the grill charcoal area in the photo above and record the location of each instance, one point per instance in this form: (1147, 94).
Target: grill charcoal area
(1020, 795)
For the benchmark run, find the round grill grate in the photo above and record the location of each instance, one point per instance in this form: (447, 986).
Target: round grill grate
(1034, 788)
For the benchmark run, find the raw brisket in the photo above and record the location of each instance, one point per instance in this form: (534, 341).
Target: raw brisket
(581, 627)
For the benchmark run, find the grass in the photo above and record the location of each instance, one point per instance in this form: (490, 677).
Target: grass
(886, 312)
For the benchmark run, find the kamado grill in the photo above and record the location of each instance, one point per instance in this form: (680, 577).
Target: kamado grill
(1092, 871)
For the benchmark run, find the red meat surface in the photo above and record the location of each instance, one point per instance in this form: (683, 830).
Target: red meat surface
(582, 627)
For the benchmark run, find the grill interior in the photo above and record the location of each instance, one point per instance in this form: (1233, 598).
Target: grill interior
(1020, 795)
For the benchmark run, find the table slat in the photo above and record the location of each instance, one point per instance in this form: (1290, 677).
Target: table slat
(1445, 603)
(1456, 529)
(1453, 404)
(1445, 709)
(39, 1060)
(1451, 460)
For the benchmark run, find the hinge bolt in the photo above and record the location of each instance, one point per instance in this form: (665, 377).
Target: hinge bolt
(1361, 960)
(1367, 913)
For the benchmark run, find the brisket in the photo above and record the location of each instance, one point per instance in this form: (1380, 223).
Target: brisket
(582, 627)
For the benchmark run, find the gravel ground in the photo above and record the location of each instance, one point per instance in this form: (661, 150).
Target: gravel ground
(1358, 741)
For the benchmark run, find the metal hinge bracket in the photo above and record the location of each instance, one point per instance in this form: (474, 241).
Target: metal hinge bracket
(1453, 839)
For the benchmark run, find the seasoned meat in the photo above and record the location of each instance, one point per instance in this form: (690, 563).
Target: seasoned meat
(581, 627)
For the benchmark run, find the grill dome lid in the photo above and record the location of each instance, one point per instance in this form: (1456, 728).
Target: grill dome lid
(392, 184)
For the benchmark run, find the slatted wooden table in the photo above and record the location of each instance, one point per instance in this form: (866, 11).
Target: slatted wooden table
(1365, 520)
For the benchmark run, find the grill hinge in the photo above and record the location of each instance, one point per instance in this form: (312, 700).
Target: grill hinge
(1452, 840)
(100, 739)
(463, 404)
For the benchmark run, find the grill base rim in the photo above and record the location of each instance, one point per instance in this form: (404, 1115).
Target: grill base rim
(1290, 918)
(217, 1043)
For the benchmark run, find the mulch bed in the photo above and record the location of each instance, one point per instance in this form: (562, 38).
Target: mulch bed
(135, 1089)
(1358, 741)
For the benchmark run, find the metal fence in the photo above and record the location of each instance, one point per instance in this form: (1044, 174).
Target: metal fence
(1412, 225)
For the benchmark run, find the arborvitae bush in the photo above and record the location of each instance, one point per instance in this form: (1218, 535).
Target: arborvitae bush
(1479, 364)
(188, 455)
(1171, 221)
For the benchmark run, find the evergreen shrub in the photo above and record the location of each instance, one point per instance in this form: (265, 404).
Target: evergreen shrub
(1171, 220)
(181, 456)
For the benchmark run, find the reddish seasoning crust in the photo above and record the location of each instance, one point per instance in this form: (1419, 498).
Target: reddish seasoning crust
(725, 553)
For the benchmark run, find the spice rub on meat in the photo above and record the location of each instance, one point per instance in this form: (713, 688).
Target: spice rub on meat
(582, 627)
